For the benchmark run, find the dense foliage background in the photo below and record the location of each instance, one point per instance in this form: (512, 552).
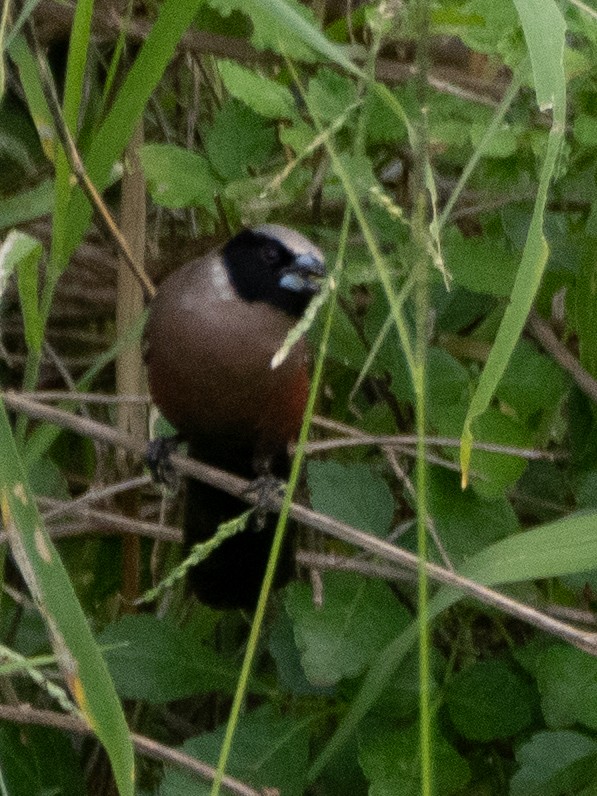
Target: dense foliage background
(443, 156)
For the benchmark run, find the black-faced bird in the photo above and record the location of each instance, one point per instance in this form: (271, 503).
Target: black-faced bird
(213, 329)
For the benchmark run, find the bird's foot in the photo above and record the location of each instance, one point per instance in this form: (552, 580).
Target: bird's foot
(267, 490)
(158, 461)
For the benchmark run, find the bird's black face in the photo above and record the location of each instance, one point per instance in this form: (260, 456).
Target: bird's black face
(266, 264)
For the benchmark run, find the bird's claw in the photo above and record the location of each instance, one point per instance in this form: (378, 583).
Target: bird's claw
(266, 490)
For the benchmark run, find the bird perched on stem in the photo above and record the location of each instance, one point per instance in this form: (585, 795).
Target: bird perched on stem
(214, 326)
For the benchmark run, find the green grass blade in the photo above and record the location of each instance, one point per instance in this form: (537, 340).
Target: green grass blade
(79, 658)
(546, 47)
(73, 93)
(173, 19)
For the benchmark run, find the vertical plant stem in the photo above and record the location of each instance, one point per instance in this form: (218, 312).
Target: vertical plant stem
(420, 228)
(279, 536)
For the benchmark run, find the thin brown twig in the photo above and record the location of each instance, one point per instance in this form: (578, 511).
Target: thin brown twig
(357, 438)
(370, 569)
(328, 525)
(95, 494)
(85, 397)
(24, 714)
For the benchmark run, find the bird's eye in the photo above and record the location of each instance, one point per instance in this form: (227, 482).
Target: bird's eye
(269, 253)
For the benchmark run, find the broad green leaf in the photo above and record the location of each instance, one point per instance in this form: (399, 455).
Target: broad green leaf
(237, 140)
(481, 265)
(352, 493)
(177, 177)
(36, 761)
(82, 665)
(268, 752)
(585, 130)
(502, 144)
(283, 649)
(489, 701)
(153, 660)
(19, 776)
(494, 472)
(390, 759)
(465, 521)
(340, 638)
(262, 95)
(448, 382)
(531, 383)
(287, 27)
(558, 548)
(554, 763)
(330, 94)
(563, 547)
(567, 681)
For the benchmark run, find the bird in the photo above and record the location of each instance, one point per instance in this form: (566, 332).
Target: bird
(214, 326)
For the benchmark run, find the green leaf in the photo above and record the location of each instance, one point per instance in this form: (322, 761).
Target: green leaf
(262, 95)
(20, 775)
(340, 638)
(502, 144)
(330, 94)
(390, 759)
(554, 763)
(23, 253)
(287, 27)
(586, 312)
(558, 548)
(585, 130)
(155, 661)
(178, 177)
(283, 650)
(540, 20)
(465, 521)
(544, 30)
(481, 265)
(83, 667)
(26, 205)
(361, 173)
(488, 701)
(532, 382)
(494, 472)
(268, 752)
(448, 382)
(174, 17)
(567, 681)
(352, 493)
(237, 140)
(38, 761)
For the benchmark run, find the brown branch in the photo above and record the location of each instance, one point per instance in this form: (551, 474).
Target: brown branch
(24, 714)
(328, 525)
(357, 437)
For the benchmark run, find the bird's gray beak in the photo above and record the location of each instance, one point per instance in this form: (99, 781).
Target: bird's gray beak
(304, 275)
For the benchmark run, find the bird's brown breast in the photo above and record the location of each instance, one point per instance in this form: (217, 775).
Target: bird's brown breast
(209, 362)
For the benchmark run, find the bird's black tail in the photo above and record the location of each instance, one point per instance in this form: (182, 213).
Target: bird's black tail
(232, 574)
